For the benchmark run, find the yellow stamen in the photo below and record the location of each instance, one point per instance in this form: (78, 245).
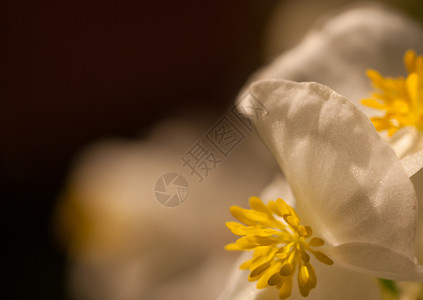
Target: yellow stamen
(400, 98)
(279, 249)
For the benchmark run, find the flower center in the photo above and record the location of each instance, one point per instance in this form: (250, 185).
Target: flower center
(279, 248)
(400, 98)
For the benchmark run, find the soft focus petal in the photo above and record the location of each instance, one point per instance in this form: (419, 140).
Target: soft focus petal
(338, 52)
(124, 244)
(348, 183)
(334, 283)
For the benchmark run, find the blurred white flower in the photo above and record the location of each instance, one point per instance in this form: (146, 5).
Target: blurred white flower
(124, 244)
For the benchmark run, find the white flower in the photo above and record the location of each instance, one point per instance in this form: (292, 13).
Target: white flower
(348, 183)
(340, 51)
(123, 244)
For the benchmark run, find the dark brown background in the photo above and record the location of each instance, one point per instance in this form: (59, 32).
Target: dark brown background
(76, 71)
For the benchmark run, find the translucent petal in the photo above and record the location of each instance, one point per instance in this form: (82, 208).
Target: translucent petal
(413, 163)
(406, 141)
(348, 183)
(417, 180)
(377, 261)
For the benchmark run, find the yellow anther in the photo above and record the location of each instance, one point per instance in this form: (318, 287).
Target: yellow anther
(286, 269)
(283, 207)
(285, 289)
(255, 274)
(275, 279)
(316, 242)
(309, 231)
(401, 98)
(231, 247)
(264, 279)
(306, 279)
(322, 257)
(303, 276)
(284, 251)
(258, 205)
(279, 248)
(409, 60)
(292, 221)
(305, 257)
(302, 231)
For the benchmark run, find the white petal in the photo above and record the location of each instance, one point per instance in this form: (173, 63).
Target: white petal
(137, 248)
(333, 283)
(348, 183)
(413, 163)
(417, 180)
(406, 141)
(339, 51)
(376, 260)
(278, 188)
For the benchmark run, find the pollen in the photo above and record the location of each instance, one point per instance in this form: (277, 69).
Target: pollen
(401, 99)
(281, 245)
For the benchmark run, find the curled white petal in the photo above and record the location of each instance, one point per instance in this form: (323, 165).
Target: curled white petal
(348, 183)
